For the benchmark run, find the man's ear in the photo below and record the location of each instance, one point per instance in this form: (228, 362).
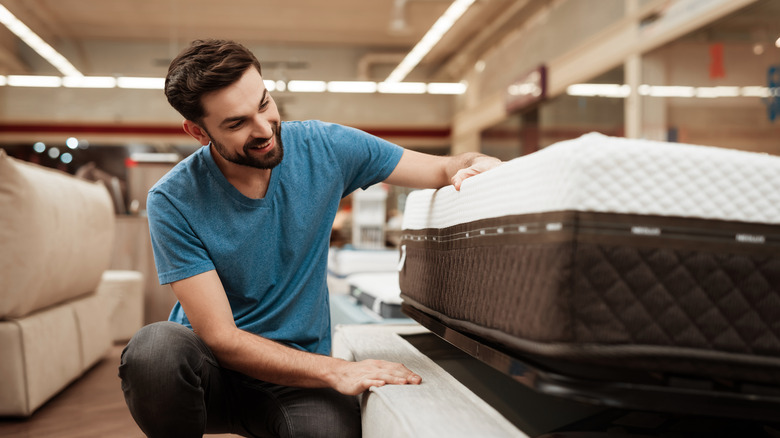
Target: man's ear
(196, 132)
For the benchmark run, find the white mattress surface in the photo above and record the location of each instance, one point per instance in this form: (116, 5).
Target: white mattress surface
(383, 286)
(598, 173)
(344, 262)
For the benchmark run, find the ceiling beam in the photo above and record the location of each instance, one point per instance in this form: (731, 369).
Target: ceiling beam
(507, 19)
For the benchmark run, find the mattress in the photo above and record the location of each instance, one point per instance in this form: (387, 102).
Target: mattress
(601, 254)
(377, 291)
(343, 262)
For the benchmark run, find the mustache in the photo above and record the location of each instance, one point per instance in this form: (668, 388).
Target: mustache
(255, 142)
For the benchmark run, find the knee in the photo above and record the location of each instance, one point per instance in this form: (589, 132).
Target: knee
(159, 353)
(336, 415)
(159, 368)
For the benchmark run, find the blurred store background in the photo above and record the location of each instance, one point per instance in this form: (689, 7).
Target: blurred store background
(504, 77)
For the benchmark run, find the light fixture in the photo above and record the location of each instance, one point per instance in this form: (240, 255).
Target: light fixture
(434, 34)
(777, 43)
(36, 43)
(295, 86)
(141, 83)
(89, 82)
(722, 91)
(402, 87)
(755, 91)
(446, 88)
(621, 91)
(34, 81)
(307, 86)
(670, 91)
(72, 142)
(352, 87)
(601, 90)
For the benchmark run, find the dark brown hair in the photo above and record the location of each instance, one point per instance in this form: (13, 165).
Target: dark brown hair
(203, 67)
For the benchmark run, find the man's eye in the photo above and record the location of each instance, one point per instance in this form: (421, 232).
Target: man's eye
(265, 104)
(236, 125)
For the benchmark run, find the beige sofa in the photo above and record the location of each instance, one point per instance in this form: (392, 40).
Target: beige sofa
(56, 234)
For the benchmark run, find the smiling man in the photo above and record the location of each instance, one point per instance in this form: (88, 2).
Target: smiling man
(240, 230)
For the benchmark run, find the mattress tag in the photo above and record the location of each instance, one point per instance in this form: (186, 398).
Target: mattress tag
(750, 238)
(403, 258)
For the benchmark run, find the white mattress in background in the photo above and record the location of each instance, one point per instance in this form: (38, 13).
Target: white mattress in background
(382, 286)
(344, 262)
(612, 175)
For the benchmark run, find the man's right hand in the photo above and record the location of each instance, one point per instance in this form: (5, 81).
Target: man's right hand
(353, 378)
(204, 300)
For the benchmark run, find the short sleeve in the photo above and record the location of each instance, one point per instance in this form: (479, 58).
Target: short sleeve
(364, 159)
(178, 252)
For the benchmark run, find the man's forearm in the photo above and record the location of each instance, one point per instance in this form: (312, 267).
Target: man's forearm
(272, 362)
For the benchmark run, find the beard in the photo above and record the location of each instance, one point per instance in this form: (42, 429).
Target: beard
(267, 161)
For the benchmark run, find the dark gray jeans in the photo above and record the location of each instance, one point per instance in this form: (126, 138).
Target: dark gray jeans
(175, 388)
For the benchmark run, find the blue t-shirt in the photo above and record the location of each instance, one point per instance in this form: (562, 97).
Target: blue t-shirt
(269, 253)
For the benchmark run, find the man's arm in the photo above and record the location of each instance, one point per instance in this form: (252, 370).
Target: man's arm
(203, 299)
(420, 171)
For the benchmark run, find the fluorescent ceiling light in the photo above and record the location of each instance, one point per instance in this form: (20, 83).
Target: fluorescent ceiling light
(307, 86)
(614, 90)
(670, 91)
(89, 81)
(446, 88)
(755, 91)
(34, 81)
(280, 86)
(141, 83)
(712, 92)
(36, 43)
(602, 90)
(402, 87)
(352, 87)
(434, 34)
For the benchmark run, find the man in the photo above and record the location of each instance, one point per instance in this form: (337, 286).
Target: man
(240, 230)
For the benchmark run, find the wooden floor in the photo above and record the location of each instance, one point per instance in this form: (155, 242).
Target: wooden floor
(91, 407)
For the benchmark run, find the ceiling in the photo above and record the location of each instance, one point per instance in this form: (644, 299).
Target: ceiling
(375, 26)
(382, 30)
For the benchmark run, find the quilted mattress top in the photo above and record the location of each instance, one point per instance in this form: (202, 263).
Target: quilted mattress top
(612, 175)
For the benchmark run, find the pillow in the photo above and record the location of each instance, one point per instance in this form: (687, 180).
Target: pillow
(56, 235)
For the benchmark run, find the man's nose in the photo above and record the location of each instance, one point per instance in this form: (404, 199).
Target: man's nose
(262, 127)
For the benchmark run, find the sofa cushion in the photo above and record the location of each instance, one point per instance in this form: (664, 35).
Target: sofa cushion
(56, 232)
(123, 292)
(44, 351)
(40, 356)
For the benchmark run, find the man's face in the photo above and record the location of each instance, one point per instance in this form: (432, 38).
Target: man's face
(243, 123)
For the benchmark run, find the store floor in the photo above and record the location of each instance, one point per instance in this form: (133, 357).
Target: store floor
(91, 407)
